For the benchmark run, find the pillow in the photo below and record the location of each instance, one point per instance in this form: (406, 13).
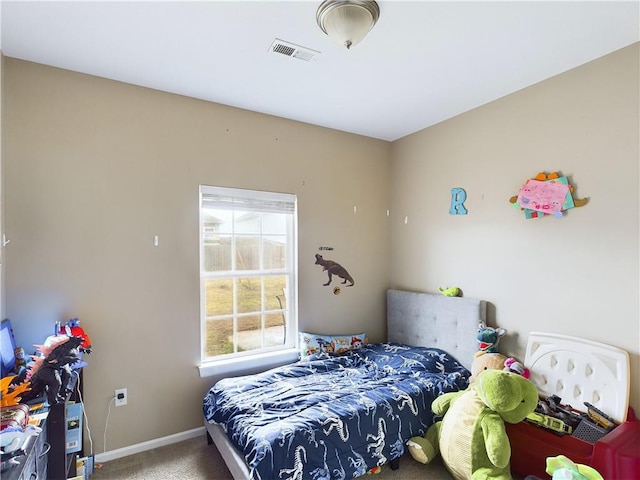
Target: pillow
(312, 343)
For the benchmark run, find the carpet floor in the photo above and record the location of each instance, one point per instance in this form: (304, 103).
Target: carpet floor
(194, 459)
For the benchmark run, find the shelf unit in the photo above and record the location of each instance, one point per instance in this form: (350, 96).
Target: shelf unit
(62, 465)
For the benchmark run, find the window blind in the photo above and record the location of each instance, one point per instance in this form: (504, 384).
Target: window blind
(246, 200)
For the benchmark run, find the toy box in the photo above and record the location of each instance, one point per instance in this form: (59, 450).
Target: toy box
(580, 372)
(615, 456)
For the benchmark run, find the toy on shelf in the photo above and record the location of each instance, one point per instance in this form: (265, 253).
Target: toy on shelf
(61, 353)
(471, 437)
(52, 373)
(488, 338)
(21, 359)
(73, 329)
(11, 390)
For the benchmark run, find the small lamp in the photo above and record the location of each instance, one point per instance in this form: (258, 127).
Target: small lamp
(347, 22)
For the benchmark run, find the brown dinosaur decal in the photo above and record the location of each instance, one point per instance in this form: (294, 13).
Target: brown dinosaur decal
(334, 268)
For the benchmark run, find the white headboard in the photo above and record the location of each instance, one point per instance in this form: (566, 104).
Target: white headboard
(433, 320)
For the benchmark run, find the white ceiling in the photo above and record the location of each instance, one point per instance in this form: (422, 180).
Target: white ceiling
(424, 62)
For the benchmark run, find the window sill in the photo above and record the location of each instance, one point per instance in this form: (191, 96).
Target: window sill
(263, 361)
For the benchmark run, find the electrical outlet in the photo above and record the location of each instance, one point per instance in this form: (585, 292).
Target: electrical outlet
(121, 397)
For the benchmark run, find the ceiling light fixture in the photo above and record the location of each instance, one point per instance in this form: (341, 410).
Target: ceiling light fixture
(347, 22)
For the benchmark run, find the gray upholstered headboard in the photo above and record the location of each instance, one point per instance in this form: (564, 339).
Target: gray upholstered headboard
(430, 320)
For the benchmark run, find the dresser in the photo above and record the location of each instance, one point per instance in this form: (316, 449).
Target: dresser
(46, 454)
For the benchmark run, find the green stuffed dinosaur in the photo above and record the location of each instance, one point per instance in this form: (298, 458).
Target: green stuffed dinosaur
(471, 436)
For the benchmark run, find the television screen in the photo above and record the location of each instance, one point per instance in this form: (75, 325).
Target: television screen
(7, 348)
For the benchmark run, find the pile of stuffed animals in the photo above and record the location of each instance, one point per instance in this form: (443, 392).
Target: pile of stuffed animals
(471, 436)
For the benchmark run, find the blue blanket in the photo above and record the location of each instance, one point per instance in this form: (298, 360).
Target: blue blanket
(333, 417)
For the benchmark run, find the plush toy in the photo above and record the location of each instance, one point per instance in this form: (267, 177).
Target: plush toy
(561, 468)
(450, 291)
(513, 365)
(486, 361)
(471, 436)
(488, 338)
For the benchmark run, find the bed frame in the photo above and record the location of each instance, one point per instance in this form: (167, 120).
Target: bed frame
(430, 320)
(413, 318)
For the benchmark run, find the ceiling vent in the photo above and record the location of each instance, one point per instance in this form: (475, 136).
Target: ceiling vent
(292, 50)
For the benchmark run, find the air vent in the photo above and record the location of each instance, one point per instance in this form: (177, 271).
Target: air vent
(292, 50)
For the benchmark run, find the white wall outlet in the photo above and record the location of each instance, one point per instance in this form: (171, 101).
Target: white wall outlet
(121, 397)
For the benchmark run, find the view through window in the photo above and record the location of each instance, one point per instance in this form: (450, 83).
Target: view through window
(247, 271)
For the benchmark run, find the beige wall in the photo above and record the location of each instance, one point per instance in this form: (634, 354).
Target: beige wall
(95, 168)
(577, 275)
(2, 275)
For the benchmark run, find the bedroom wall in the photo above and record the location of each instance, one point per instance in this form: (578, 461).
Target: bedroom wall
(95, 168)
(577, 275)
(2, 274)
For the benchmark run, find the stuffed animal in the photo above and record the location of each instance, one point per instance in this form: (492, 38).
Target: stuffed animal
(488, 338)
(513, 365)
(450, 291)
(486, 361)
(561, 468)
(471, 436)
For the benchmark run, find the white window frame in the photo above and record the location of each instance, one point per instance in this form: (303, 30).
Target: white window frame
(272, 355)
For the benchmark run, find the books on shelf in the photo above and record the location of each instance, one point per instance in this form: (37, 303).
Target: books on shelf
(73, 431)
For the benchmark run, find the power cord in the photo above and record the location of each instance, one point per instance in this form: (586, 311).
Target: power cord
(106, 423)
(84, 412)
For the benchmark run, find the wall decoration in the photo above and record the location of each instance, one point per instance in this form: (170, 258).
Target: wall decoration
(546, 194)
(334, 268)
(458, 196)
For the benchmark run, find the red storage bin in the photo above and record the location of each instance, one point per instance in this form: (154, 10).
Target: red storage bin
(616, 456)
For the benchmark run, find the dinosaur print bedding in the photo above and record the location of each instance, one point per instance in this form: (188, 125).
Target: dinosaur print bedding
(333, 417)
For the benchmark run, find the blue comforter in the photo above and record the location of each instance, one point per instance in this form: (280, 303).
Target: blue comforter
(333, 417)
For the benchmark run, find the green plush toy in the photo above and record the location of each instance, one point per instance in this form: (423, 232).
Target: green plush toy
(471, 436)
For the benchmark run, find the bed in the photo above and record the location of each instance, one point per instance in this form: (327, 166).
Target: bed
(338, 416)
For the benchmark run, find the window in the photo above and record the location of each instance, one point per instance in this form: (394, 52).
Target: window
(248, 267)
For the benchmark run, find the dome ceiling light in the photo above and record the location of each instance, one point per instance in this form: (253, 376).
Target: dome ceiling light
(347, 22)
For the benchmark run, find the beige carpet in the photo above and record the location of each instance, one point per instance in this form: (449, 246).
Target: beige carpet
(195, 460)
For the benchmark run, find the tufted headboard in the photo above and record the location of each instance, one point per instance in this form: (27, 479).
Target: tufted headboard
(433, 320)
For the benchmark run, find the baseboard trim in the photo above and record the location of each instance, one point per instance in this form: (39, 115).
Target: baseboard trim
(149, 445)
